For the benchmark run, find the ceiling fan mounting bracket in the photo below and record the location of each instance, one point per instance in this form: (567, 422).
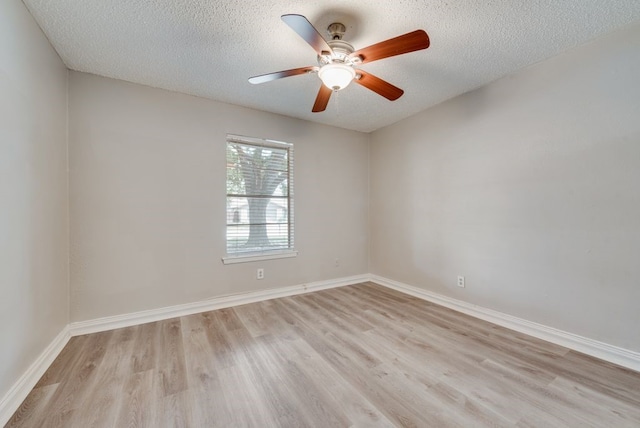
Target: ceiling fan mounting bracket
(336, 30)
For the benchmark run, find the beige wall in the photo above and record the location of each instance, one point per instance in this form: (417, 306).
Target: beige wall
(529, 187)
(147, 177)
(33, 193)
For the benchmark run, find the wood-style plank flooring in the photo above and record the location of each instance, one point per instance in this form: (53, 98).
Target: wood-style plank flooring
(361, 355)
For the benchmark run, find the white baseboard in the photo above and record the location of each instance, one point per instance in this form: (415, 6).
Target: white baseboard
(135, 318)
(19, 391)
(604, 351)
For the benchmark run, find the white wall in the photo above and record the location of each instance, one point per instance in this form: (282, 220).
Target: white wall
(529, 187)
(147, 189)
(33, 193)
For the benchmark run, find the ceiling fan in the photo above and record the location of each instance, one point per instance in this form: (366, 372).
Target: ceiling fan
(338, 60)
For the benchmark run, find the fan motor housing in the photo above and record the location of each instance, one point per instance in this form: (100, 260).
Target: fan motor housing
(341, 49)
(341, 52)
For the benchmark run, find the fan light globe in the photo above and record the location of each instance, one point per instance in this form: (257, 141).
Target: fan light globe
(336, 76)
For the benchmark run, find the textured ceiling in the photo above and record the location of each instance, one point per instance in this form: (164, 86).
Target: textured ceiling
(209, 48)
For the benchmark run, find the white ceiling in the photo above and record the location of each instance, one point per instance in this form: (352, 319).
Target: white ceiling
(210, 47)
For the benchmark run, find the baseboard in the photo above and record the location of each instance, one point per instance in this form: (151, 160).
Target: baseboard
(19, 391)
(604, 351)
(127, 320)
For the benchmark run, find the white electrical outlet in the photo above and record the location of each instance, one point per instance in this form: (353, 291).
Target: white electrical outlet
(260, 274)
(337, 263)
(461, 281)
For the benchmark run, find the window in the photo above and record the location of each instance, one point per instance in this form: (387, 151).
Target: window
(259, 199)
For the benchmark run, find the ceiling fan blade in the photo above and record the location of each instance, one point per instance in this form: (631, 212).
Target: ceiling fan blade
(280, 74)
(303, 27)
(379, 86)
(322, 99)
(410, 42)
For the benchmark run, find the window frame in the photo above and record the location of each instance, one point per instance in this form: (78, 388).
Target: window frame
(279, 253)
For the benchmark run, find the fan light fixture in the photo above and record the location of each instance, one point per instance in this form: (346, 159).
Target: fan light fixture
(336, 76)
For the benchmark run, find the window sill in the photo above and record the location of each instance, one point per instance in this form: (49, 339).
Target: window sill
(258, 257)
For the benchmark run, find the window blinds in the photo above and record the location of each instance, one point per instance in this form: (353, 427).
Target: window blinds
(259, 196)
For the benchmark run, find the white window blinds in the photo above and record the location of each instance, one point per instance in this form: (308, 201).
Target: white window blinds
(259, 196)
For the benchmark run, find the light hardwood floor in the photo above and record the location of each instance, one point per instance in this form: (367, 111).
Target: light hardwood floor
(361, 355)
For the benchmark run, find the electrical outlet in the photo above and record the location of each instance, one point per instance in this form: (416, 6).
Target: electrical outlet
(260, 274)
(461, 281)
(337, 263)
